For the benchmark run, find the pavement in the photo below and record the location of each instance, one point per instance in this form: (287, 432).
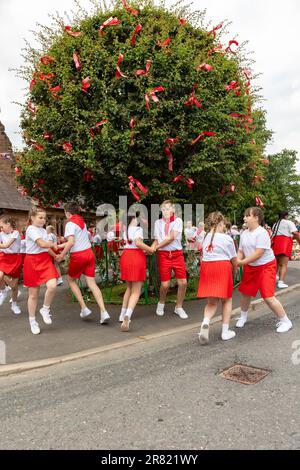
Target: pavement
(69, 337)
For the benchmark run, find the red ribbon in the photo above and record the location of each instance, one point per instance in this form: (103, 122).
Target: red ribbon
(32, 108)
(232, 187)
(168, 223)
(54, 92)
(228, 49)
(132, 182)
(132, 125)
(45, 77)
(193, 100)
(76, 61)
(202, 135)
(47, 136)
(216, 49)
(182, 21)
(265, 161)
(68, 147)
(247, 74)
(32, 84)
(213, 31)
(88, 176)
(120, 74)
(165, 43)
(74, 34)
(17, 170)
(35, 145)
(259, 202)
(206, 67)
(96, 129)
(138, 28)
(47, 60)
(187, 181)
(130, 10)
(85, 84)
(144, 72)
(110, 22)
(170, 143)
(153, 95)
(235, 87)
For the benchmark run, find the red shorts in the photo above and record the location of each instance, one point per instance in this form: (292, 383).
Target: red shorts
(259, 278)
(38, 269)
(133, 265)
(11, 264)
(169, 261)
(215, 280)
(282, 245)
(82, 262)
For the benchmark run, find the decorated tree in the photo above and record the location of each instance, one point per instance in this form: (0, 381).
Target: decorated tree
(143, 101)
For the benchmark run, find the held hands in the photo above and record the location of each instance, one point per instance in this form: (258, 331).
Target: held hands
(59, 258)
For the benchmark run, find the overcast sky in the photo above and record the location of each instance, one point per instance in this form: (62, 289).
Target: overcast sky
(270, 26)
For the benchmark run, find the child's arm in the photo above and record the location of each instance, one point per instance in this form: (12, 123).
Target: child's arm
(234, 263)
(67, 248)
(250, 259)
(140, 244)
(8, 243)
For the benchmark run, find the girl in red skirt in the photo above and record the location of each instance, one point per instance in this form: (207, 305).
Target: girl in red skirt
(216, 280)
(133, 268)
(10, 261)
(39, 268)
(282, 244)
(257, 258)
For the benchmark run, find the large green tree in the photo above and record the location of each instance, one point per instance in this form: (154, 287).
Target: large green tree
(145, 92)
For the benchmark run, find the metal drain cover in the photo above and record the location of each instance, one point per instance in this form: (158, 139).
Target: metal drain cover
(243, 374)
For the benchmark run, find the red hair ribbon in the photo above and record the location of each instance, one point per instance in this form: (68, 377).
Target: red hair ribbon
(47, 60)
(32, 108)
(259, 202)
(202, 135)
(182, 21)
(144, 72)
(187, 181)
(110, 22)
(206, 67)
(132, 182)
(85, 84)
(228, 49)
(153, 95)
(74, 34)
(138, 28)
(165, 43)
(68, 147)
(96, 129)
(76, 61)
(120, 74)
(213, 31)
(130, 10)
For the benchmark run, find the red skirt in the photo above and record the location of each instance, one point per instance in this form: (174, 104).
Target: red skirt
(11, 264)
(215, 280)
(133, 265)
(259, 278)
(38, 269)
(282, 245)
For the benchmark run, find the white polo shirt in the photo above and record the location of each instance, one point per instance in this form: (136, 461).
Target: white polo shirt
(258, 238)
(32, 235)
(286, 228)
(159, 234)
(223, 248)
(15, 247)
(133, 234)
(81, 237)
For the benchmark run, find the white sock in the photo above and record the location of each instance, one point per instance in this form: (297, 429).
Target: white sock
(244, 315)
(225, 328)
(123, 311)
(206, 321)
(14, 304)
(46, 307)
(129, 312)
(32, 320)
(285, 319)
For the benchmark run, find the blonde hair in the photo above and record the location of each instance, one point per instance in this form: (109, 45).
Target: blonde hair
(50, 227)
(35, 210)
(168, 201)
(9, 220)
(211, 223)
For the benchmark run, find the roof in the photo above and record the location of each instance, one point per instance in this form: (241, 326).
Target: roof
(9, 196)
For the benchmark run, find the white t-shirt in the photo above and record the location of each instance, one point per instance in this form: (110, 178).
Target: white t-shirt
(52, 238)
(23, 246)
(286, 228)
(32, 235)
(223, 248)
(133, 234)
(258, 238)
(15, 247)
(81, 236)
(97, 239)
(159, 234)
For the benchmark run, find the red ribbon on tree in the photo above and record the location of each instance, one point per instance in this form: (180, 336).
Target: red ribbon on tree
(265, 161)
(235, 87)
(182, 21)
(68, 147)
(120, 74)
(54, 92)
(189, 182)
(85, 84)
(206, 67)
(129, 9)
(45, 77)
(132, 182)
(74, 34)
(132, 125)
(228, 49)
(144, 72)
(165, 43)
(247, 73)
(88, 176)
(110, 22)
(138, 28)
(47, 60)
(170, 143)
(153, 95)
(76, 61)
(96, 129)
(32, 84)
(202, 135)
(259, 202)
(213, 31)
(232, 187)
(35, 145)
(17, 170)
(47, 136)
(192, 99)
(32, 108)
(218, 48)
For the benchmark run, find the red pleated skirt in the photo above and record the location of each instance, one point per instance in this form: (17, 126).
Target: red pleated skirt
(259, 278)
(282, 245)
(215, 280)
(133, 265)
(11, 264)
(38, 269)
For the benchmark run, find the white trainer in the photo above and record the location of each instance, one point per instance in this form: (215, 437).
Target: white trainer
(160, 309)
(284, 326)
(85, 313)
(282, 285)
(35, 329)
(241, 322)
(59, 281)
(181, 313)
(45, 312)
(125, 324)
(16, 309)
(228, 335)
(204, 335)
(3, 296)
(121, 318)
(104, 318)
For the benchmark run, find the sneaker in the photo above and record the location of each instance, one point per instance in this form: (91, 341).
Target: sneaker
(281, 285)
(284, 326)
(181, 313)
(59, 282)
(85, 313)
(241, 322)
(45, 312)
(104, 318)
(35, 329)
(160, 309)
(125, 324)
(204, 335)
(228, 335)
(3, 296)
(16, 309)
